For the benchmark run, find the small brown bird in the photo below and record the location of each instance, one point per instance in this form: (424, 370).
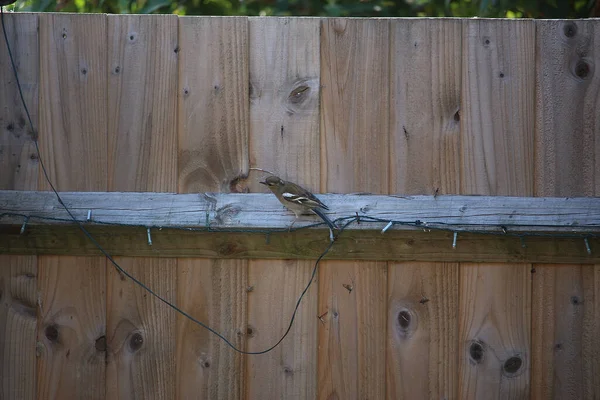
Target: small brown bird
(297, 199)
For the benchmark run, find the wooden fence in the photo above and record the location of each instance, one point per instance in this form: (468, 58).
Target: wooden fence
(410, 106)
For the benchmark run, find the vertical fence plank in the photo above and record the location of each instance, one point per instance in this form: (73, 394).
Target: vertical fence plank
(18, 158)
(284, 138)
(425, 116)
(284, 98)
(73, 102)
(354, 157)
(19, 166)
(18, 295)
(422, 330)
(352, 298)
(499, 107)
(213, 102)
(289, 371)
(142, 137)
(141, 330)
(423, 297)
(497, 147)
(214, 292)
(565, 298)
(565, 336)
(71, 332)
(355, 105)
(495, 310)
(568, 121)
(142, 103)
(213, 154)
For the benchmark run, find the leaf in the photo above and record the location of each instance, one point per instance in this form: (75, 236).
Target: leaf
(483, 6)
(153, 5)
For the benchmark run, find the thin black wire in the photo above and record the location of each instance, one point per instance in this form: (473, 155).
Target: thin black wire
(109, 257)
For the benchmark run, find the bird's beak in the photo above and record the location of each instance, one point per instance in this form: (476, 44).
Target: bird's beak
(264, 183)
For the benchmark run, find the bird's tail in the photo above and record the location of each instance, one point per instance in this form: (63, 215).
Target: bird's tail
(325, 218)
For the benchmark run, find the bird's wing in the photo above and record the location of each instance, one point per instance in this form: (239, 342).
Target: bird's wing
(303, 197)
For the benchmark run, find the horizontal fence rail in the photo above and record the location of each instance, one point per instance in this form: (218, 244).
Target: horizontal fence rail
(201, 224)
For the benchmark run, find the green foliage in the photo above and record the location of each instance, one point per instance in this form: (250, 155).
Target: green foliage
(342, 8)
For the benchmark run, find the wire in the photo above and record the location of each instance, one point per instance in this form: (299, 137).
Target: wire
(109, 257)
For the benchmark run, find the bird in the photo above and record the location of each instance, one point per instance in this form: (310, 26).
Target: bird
(297, 199)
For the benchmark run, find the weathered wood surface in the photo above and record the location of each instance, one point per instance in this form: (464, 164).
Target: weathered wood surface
(425, 134)
(212, 136)
(19, 167)
(262, 211)
(142, 156)
(344, 105)
(180, 222)
(354, 66)
(213, 103)
(566, 299)
(73, 143)
(306, 244)
(284, 137)
(497, 153)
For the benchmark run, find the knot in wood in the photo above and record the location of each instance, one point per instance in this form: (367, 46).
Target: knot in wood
(136, 341)
(406, 322)
(476, 351)
(298, 94)
(100, 344)
(570, 29)
(51, 333)
(582, 69)
(512, 365)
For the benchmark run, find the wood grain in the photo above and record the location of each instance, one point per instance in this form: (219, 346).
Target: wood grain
(142, 157)
(212, 156)
(567, 125)
(497, 146)
(494, 321)
(499, 107)
(18, 156)
(258, 211)
(140, 332)
(214, 292)
(425, 106)
(284, 99)
(19, 166)
(73, 101)
(565, 340)
(304, 244)
(422, 341)
(565, 299)
(290, 370)
(422, 330)
(71, 328)
(73, 126)
(355, 81)
(284, 138)
(213, 102)
(142, 103)
(591, 339)
(18, 312)
(352, 335)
